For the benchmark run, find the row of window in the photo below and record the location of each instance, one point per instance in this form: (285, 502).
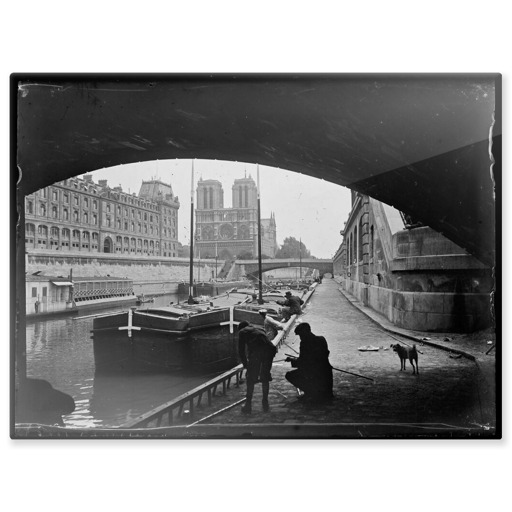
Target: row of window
(92, 188)
(74, 238)
(43, 193)
(355, 243)
(84, 218)
(42, 211)
(231, 216)
(54, 231)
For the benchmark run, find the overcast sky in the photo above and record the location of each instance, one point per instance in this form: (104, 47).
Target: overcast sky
(306, 208)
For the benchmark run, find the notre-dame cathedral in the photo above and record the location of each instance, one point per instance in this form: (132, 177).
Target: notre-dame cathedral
(231, 232)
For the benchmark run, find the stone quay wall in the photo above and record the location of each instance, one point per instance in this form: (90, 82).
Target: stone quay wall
(151, 275)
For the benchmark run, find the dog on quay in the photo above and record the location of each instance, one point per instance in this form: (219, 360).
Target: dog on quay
(405, 353)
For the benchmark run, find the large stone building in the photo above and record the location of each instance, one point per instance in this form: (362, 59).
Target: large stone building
(410, 273)
(231, 232)
(78, 215)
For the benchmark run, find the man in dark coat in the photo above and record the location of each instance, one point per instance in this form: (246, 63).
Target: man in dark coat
(256, 353)
(292, 306)
(314, 372)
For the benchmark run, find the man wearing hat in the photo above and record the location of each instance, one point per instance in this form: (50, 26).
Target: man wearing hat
(270, 325)
(256, 353)
(292, 306)
(313, 375)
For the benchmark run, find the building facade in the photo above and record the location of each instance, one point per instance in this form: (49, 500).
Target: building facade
(78, 215)
(410, 273)
(228, 233)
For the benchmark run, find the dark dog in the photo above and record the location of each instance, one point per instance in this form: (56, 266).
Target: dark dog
(405, 353)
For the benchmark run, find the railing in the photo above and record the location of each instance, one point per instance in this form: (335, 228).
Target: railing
(172, 411)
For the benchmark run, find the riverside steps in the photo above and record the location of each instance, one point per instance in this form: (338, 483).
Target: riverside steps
(449, 398)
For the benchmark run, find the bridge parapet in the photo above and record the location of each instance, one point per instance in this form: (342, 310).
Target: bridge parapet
(322, 265)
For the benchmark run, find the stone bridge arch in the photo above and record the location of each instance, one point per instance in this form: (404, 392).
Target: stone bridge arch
(252, 268)
(420, 143)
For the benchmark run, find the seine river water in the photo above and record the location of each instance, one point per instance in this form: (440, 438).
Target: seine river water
(61, 351)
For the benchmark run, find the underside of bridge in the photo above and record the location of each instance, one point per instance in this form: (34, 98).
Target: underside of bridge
(429, 145)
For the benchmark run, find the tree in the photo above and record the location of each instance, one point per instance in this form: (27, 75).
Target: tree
(245, 255)
(293, 248)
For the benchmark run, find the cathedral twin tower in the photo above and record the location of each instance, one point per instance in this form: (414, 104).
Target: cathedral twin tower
(232, 232)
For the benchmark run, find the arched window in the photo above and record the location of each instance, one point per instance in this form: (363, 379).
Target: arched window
(42, 230)
(30, 230)
(372, 241)
(30, 207)
(360, 241)
(86, 217)
(354, 246)
(54, 212)
(243, 232)
(42, 210)
(75, 215)
(54, 231)
(65, 214)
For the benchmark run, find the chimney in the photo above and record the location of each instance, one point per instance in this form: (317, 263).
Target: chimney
(88, 178)
(102, 183)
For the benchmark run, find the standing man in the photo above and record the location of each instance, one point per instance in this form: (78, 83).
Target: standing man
(256, 353)
(270, 325)
(314, 372)
(292, 306)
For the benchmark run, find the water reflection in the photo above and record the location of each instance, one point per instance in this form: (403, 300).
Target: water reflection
(61, 351)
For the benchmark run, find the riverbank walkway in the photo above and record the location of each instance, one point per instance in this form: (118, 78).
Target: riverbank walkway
(454, 395)
(454, 390)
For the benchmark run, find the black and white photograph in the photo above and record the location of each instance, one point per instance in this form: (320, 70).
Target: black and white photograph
(256, 256)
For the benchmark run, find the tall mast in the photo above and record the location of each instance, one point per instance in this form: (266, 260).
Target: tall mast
(191, 279)
(300, 258)
(260, 276)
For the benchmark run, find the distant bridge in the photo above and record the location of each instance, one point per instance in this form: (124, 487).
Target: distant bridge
(251, 266)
